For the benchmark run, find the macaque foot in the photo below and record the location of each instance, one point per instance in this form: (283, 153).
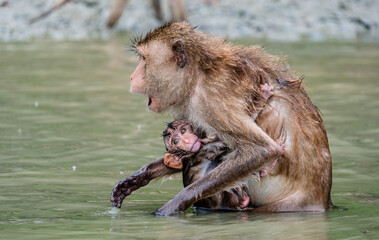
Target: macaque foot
(126, 186)
(245, 202)
(267, 91)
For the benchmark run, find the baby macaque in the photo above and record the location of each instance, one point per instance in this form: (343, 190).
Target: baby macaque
(189, 149)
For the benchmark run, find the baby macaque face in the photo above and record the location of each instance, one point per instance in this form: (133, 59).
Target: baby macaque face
(180, 135)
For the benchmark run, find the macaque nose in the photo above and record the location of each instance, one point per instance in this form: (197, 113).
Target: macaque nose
(186, 140)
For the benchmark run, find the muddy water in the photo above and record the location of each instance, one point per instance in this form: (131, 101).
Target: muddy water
(70, 129)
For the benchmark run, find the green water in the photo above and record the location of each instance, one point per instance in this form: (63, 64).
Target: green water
(70, 129)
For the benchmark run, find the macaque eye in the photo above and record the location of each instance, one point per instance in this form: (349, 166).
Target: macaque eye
(183, 130)
(176, 141)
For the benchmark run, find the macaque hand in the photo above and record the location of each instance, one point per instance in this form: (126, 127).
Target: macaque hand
(212, 150)
(126, 186)
(265, 172)
(281, 144)
(267, 91)
(170, 208)
(176, 205)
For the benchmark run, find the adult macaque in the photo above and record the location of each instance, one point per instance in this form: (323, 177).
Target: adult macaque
(200, 154)
(215, 85)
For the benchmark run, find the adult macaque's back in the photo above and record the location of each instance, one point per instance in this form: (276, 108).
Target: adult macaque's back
(215, 85)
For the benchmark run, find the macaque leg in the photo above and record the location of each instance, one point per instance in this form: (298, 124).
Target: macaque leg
(271, 207)
(292, 203)
(142, 177)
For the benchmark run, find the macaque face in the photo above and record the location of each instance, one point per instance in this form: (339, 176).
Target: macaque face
(138, 84)
(159, 74)
(137, 79)
(182, 137)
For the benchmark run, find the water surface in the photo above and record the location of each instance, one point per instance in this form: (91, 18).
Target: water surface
(70, 129)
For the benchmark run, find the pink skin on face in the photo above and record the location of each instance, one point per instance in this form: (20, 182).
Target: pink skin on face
(196, 146)
(189, 141)
(190, 144)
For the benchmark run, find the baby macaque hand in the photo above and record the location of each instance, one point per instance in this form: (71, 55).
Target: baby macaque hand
(211, 150)
(209, 138)
(267, 91)
(281, 144)
(172, 161)
(265, 172)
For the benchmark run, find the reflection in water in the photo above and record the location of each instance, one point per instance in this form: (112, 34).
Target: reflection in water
(70, 130)
(230, 225)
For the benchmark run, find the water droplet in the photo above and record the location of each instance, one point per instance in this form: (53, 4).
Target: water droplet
(121, 172)
(19, 131)
(170, 178)
(36, 104)
(139, 126)
(73, 168)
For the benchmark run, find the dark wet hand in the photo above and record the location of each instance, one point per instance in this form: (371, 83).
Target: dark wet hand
(125, 187)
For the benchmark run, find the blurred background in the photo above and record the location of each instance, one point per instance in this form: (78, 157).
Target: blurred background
(285, 20)
(70, 129)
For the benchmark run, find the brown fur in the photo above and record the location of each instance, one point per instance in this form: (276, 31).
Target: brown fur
(218, 89)
(196, 164)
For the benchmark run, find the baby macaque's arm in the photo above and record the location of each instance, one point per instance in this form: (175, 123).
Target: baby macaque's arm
(212, 149)
(142, 177)
(269, 167)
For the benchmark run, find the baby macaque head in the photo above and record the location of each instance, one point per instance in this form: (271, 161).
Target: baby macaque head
(180, 135)
(180, 140)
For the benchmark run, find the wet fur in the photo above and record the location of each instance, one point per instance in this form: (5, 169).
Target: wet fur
(218, 90)
(198, 164)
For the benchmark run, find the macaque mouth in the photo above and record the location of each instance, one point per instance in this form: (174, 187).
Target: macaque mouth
(196, 145)
(149, 102)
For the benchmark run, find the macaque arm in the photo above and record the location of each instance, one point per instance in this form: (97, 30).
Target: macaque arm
(246, 159)
(142, 177)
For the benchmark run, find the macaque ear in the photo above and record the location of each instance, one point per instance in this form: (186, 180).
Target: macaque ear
(179, 53)
(172, 161)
